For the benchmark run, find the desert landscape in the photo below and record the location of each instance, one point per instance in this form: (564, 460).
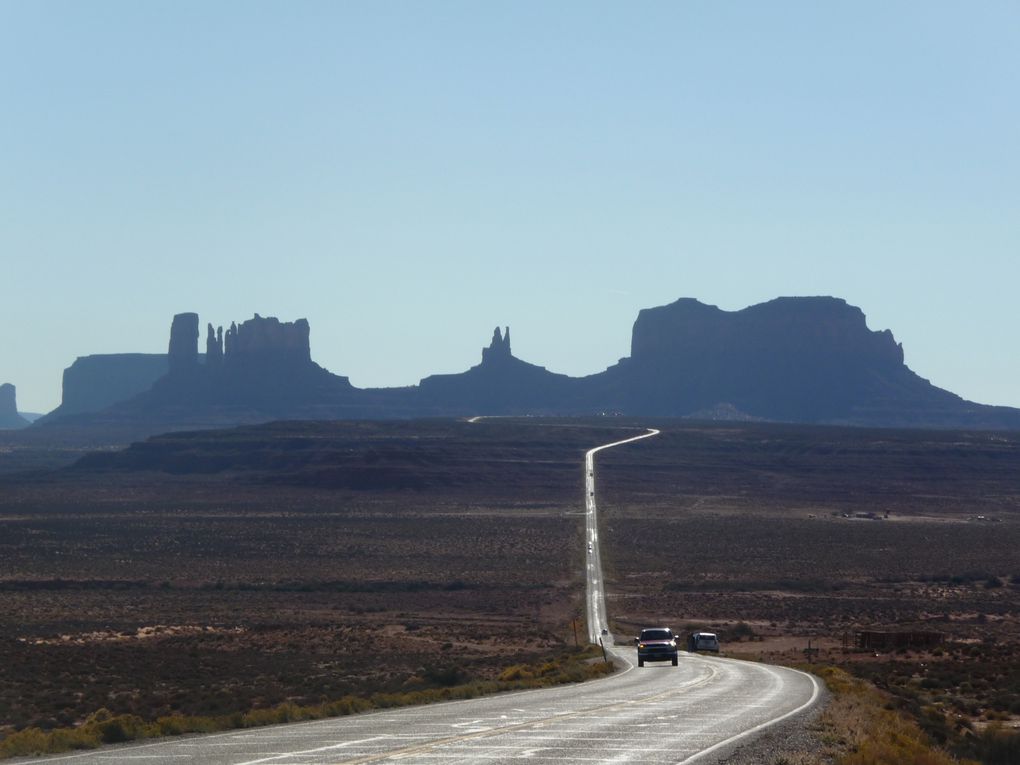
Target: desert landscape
(785, 538)
(224, 572)
(218, 573)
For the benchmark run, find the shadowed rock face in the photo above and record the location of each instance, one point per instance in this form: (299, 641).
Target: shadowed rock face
(269, 342)
(182, 355)
(500, 384)
(806, 360)
(92, 383)
(804, 331)
(256, 371)
(499, 349)
(214, 347)
(801, 359)
(9, 417)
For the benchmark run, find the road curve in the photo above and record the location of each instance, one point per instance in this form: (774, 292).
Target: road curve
(658, 714)
(654, 715)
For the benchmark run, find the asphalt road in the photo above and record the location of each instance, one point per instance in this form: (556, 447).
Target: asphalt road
(596, 596)
(657, 714)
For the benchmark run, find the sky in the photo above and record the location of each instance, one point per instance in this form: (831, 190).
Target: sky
(408, 175)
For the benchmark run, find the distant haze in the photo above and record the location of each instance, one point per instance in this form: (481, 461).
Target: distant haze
(407, 176)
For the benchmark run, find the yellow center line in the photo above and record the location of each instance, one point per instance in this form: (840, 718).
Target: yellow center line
(419, 748)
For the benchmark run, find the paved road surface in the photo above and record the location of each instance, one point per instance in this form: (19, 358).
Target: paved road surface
(596, 598)
(656, 714)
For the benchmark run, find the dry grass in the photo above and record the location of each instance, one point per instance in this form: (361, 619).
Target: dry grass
(103, 727)
(861, 726)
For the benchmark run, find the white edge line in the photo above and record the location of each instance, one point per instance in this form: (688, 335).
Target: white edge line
(757, 728)
(189, 737)
(169, 740)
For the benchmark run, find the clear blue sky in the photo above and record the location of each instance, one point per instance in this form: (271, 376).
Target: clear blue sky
(407, 175)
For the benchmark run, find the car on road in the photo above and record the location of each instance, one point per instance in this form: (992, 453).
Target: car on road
(703, 641)
(656, 644)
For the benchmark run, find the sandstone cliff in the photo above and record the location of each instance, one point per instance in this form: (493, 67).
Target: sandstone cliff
(804, 360)
(258, 370)
(182, 355)
(92, 383)
(797, 359)
(9, 417)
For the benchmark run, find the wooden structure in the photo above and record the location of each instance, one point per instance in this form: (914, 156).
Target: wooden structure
(871, 640)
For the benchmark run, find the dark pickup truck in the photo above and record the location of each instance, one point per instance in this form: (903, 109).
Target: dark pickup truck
(656, 644)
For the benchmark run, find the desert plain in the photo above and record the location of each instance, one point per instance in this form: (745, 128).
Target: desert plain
(217, 572)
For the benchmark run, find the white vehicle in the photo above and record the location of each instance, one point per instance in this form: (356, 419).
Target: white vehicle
(703, 641)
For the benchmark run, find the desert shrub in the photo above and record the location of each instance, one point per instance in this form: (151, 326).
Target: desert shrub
(549, 668)
(515, 672)
(996, 746)
(103, 727)
(65, 739)
(111, 729)
(25, 742)
(445, 676)
(172, 725)
(867, 728)
(740, 631)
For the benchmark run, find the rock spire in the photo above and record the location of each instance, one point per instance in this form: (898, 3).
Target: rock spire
(214, 347)
(182, 354)
(499, 348)
(9, 417)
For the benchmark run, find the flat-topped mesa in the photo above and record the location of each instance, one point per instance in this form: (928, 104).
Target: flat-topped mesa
(499, 348)
(800, 329)
(794, 359)
(267, 339)
(182, 354)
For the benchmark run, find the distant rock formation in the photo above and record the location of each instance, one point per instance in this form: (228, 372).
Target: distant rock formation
(258, 370)
(182, 355)
(800, 359)
(259, 341)
(793, 359)
(499, 348)
(501, 384)
(214, 348)
(268, 341)
(9, 417)
(92, 383)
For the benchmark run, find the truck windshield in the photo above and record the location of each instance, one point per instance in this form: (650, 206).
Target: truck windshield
(656, 635)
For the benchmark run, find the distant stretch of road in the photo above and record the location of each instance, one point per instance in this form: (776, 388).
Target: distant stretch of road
(596, 596)
(658, 714)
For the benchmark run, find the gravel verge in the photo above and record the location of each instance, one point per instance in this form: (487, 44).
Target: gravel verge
(795, 741)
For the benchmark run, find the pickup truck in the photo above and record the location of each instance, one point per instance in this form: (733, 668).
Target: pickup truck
(656, 644)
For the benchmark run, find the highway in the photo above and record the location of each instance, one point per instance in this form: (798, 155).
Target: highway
(596, 596)
(692, 713)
